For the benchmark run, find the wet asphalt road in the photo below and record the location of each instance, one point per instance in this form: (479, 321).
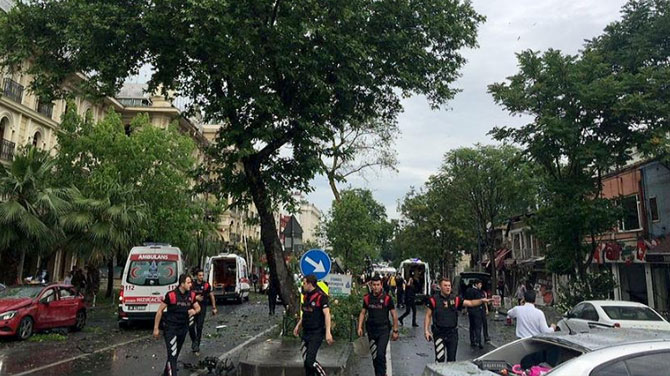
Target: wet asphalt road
(410, 354)
(103, 349)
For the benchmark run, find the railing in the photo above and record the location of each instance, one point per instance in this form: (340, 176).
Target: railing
(7, 150)
(12, 90)
(45, 109)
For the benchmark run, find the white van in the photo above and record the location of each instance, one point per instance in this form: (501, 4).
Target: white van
(227, 274)
(150, 272)
(421, 271)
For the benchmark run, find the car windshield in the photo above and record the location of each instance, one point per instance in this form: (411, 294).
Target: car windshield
(152, 273)
(20, 292)
(631, 313)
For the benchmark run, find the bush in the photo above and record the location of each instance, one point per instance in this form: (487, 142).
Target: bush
(593, 286)
(343, 311)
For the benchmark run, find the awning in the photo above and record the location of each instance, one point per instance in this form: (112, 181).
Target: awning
(500, 256)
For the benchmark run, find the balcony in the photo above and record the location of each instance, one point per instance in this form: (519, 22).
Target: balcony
(45, 109)
(12, 90)
(7, 150)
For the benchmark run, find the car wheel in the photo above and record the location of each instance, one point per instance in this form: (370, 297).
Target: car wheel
(25, 328)
(81, 321)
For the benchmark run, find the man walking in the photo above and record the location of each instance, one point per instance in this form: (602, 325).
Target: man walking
(181, 306)
(378, 305)
(315, 322)
(476, 314)
(443, 312)
(400, 290)
(529, 320)
(203, 295)
(272, 297)
(410, 301)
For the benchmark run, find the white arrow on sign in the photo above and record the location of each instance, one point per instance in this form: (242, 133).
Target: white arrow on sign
(318, 268)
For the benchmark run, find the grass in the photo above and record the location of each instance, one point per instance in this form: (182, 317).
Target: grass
(48, 337)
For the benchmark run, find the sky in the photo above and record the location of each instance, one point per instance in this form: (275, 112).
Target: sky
(511, 26)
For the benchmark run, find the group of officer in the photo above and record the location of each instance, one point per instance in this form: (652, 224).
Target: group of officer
(186, 305)
(185, 311)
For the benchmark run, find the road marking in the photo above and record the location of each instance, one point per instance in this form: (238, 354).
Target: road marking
(81, 356)
(389, 363)
(238, 348)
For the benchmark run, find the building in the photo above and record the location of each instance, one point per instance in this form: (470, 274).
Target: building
(637, 251)
(309, 217)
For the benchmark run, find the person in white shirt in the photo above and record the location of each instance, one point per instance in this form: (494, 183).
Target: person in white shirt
(530, 321)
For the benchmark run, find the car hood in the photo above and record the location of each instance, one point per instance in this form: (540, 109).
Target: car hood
(11, 304)
(455, 369)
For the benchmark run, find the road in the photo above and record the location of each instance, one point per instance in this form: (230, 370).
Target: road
(410, 354)
(104, 350)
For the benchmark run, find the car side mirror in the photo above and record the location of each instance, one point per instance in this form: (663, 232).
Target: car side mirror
(568, 315)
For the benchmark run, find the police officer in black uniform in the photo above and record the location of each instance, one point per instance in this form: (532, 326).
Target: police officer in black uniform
(476, 314)
(181, 306)
(315, 322)
(443, 311)
(378, 305)
(203, 295)
(410, 300)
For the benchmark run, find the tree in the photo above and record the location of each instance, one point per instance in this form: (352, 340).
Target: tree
(281, 76)
(355, 227)
(102, 228)
(30, 210)
(354, 149)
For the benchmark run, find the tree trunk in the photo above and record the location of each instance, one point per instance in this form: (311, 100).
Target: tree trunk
(110, 277)
(333, 187)
(279, 272)
(19, 268)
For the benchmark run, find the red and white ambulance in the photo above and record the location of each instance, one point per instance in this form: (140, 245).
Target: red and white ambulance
(150, 272)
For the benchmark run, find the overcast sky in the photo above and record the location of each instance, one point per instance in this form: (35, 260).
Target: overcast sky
(511, 26)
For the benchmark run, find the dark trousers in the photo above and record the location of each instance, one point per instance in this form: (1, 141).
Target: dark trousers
(446, 344)
(310, 346)
(379, 339)
(174, 339)
(401, 297)
(272, 302)
(409, 306)
(195, 328)
(485, 325)
(476, 324)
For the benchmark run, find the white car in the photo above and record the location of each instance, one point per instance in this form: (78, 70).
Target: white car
(613, 314)
(599, 352)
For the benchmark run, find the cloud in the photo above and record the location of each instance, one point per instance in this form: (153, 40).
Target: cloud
(512, 26)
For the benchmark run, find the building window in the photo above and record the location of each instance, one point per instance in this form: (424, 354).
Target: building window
(653, 208)
(36, 139)
(631, 214)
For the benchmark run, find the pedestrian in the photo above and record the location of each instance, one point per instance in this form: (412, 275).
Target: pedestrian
(79, 281)
(378, 305)
(68, 278)
(400, 290)
(254, 280)
(315, 324)
(442, 312)
(520, 292)
(204, 296)
(410, 301)
(501, 289)
(385, 283)
(272, 297)
(392, 284)
(530, 321)
(476, 314)
(181, 306)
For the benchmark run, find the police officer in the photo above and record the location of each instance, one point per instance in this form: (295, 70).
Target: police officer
(410, 301)
(443, 312)
(476, 314)
(181, 306)
(315, 322)
(203, 295)
(378, 305)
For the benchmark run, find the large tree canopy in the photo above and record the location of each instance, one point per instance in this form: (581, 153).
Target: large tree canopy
(281, 76)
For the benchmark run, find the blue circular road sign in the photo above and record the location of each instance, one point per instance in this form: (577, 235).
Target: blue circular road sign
(317, 262)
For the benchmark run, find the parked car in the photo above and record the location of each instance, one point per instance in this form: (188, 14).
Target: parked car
(25, 310)
(227, 273)
(420, 270)
(561, 354)
(615, 314)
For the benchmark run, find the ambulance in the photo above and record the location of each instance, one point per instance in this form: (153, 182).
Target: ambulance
(150, 272)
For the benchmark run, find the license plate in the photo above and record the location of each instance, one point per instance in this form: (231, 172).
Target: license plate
(142, 307)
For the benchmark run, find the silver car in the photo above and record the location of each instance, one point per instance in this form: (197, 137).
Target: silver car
(581, 353)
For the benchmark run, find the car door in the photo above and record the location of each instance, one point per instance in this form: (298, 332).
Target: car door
(46, 311)
(646, 364)
(589, 314)
(68, 304)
